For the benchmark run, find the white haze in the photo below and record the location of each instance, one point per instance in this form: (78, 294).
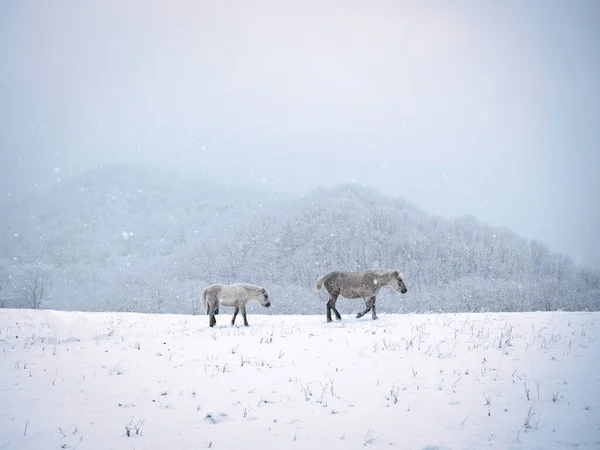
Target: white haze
(479, 108)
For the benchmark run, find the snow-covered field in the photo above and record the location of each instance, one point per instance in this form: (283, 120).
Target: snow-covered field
(452, 381)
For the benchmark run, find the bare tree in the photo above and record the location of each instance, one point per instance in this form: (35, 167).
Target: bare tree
(157, 298)
(4, 282)
(35, 284)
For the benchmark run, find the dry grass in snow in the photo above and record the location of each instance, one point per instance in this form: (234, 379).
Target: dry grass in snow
(453, 381)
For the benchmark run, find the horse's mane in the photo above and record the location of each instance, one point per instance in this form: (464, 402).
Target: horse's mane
(248, 286)
(383, 272)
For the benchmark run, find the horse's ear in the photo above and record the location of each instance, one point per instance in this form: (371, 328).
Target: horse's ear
(396, 273)
(264, 291)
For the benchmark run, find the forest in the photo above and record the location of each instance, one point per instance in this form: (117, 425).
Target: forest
(133, 238)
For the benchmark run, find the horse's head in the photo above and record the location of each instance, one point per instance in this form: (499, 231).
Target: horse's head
(398, 283)
(264, 298)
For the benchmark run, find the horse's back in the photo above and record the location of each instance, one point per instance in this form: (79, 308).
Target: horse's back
(338, 280)
(213, 290)
(230, 293)
(344, 277)
(350, 284)
(331, 278)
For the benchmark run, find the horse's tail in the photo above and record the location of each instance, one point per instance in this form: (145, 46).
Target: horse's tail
(204, 302)
(319, 283)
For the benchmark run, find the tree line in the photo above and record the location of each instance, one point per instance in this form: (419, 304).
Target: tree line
(127, 242)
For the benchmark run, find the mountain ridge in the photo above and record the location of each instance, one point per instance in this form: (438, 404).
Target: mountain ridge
(122, 233)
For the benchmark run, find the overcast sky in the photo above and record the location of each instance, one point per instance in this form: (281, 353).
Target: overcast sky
(483, 108)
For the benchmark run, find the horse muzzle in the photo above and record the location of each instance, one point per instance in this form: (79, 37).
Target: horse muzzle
(268, 305)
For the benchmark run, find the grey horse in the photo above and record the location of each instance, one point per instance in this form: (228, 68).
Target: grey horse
(236, 295)
(365, 284)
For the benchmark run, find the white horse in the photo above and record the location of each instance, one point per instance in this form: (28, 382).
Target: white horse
(236, 295)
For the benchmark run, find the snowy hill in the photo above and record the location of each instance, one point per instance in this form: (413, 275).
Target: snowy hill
(124, 210)
(130, 238)
(450, 381)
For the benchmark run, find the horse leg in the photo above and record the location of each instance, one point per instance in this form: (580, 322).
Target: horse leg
(337, 313)
(373, 313)
(331, 306)
(235, 313)
(369, 306)
(243, 308)
(210, 310)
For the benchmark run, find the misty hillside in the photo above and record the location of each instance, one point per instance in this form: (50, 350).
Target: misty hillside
(132, 238)
(123, 210)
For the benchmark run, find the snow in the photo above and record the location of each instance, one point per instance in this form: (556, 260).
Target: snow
(447, 381)
(111, 236)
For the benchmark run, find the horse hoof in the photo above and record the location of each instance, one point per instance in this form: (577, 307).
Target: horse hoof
(375, 318)
(358, 316)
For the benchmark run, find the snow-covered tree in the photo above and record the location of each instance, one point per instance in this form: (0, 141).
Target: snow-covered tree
(126, 238)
